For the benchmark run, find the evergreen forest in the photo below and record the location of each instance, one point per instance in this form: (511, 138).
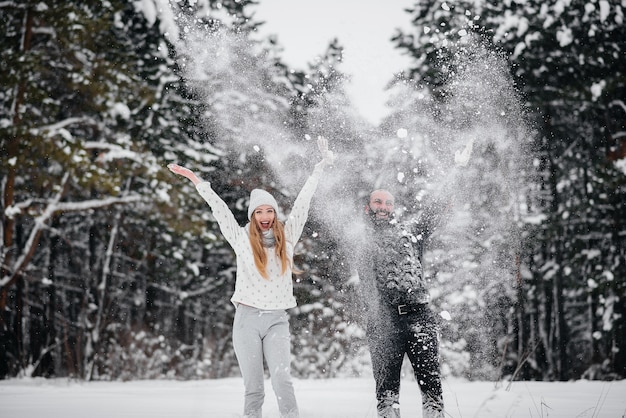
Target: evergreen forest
(112, 268)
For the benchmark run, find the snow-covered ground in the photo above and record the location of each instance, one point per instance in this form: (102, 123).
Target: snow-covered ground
(332, 398)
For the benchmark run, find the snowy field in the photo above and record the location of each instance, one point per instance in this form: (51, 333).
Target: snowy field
(333, 398)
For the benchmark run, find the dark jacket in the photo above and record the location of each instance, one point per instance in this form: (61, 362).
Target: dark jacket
(390, 260)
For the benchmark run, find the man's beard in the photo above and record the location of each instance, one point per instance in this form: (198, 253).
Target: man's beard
(380, 221)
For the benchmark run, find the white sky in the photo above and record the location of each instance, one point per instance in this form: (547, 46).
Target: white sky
(317, 398)
(364, 27)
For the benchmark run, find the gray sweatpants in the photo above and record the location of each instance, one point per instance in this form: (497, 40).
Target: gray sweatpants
(257, 335)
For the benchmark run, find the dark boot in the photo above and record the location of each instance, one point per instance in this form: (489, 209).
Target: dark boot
(388, 405)
(432, 408)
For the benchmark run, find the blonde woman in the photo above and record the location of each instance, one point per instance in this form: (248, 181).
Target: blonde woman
(263, 287)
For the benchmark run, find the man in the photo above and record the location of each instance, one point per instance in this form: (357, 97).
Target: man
(399, 320)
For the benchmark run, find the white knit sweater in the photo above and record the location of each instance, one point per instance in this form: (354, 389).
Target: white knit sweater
(251, 288)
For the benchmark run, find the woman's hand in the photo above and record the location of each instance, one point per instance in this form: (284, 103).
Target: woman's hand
(185, 172)
(327, 156)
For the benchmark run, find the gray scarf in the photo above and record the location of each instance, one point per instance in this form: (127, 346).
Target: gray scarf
(269, 240)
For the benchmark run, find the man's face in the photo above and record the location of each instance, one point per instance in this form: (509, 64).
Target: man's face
(380, 206)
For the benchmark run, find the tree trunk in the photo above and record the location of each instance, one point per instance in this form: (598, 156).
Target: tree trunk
(15, 330)
(560, 330)
(93, 336)
(522, 319)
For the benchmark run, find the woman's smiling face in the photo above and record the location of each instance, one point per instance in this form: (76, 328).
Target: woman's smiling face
(264, 217)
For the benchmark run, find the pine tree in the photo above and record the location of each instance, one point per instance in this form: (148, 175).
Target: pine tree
(565, 62)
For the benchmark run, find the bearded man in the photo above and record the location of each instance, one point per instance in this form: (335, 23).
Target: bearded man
(399, 319)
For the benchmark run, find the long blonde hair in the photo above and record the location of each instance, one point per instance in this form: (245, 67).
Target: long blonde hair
(258, 250)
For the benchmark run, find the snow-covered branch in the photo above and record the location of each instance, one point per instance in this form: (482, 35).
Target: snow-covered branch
(35, 233)
(55, 206)
(114, 152)
(56, 126)
(94, 203)
(619, 103)
(16, 4)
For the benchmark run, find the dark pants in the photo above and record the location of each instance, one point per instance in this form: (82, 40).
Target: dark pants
(390, 336)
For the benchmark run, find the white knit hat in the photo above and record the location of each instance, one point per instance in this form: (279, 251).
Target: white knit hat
(258, 198)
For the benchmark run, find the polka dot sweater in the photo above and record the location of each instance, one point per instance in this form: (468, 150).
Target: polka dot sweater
(251, 288)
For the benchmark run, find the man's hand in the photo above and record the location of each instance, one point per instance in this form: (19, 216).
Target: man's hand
(327, 156)
(461, 158)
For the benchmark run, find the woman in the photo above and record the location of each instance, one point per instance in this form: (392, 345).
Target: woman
(263, 288)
